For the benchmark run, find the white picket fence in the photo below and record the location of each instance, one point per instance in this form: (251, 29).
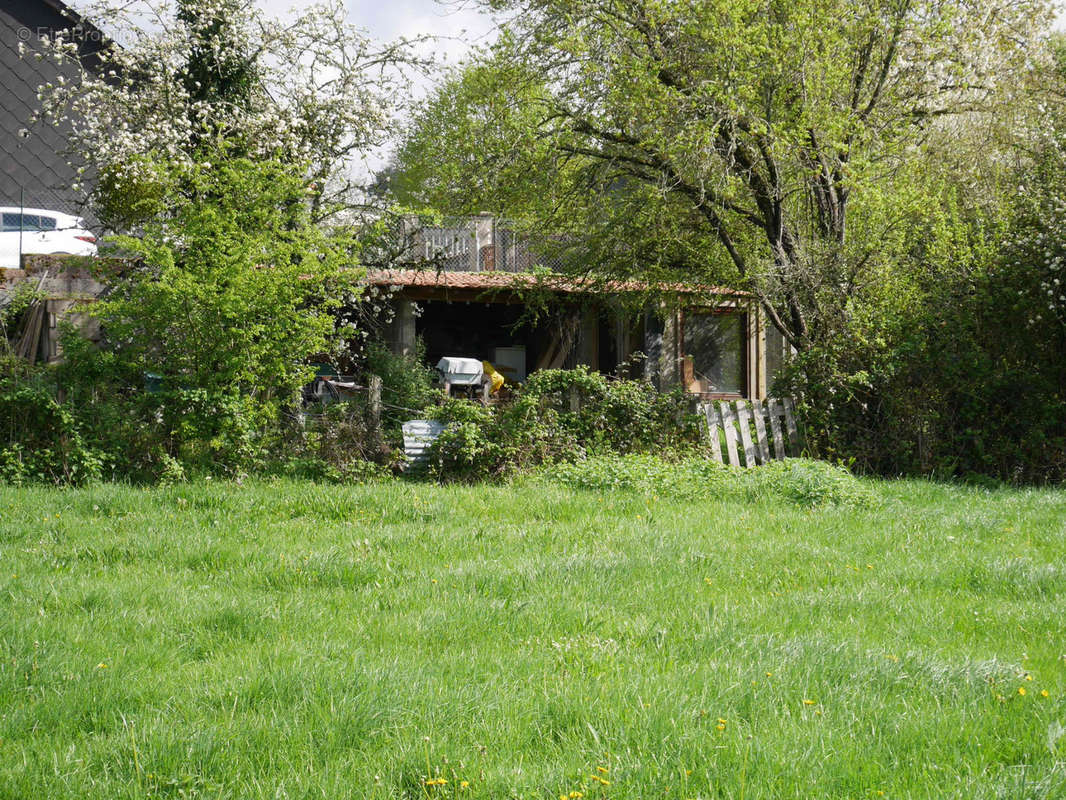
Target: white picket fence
(773, 422)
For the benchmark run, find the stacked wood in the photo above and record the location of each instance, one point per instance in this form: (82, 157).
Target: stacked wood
(29, 343)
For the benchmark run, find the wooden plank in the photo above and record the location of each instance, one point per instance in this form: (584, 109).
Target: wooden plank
(744, 421)
(759, 413)
(729, 424)
(774, 409)
(713, 426)
(790, 424)
(374, 408)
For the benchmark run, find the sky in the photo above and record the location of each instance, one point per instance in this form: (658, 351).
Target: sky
(457, 23)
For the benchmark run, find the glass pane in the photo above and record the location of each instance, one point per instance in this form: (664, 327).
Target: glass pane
(31, 222)
(46, 223)
(11, 222)
(716, 345)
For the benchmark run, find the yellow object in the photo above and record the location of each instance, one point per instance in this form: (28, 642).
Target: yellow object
(494, 376)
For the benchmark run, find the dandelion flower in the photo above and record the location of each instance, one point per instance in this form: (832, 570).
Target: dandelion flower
(807, 702)
(602, 770)
(1021, 691)
(1043, 693)
(720, 726)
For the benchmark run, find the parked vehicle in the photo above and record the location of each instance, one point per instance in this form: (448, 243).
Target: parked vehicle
(38, 231)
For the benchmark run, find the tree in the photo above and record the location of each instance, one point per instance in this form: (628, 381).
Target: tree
(230, 291)
(777, 138)
(311, 91)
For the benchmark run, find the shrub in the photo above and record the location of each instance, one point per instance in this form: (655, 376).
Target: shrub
(560, 416)
(40, 440)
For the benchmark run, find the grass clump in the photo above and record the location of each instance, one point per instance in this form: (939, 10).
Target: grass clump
(800, 481)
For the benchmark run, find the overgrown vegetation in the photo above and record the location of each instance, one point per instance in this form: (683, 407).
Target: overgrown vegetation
(560, 415)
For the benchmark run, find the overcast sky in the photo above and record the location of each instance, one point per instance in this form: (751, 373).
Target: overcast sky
(457, 22)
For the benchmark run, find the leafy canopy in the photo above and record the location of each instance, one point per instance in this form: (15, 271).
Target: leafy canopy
(769, 144)
(233, 286)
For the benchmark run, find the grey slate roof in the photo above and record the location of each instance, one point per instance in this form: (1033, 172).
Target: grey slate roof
(34, 169)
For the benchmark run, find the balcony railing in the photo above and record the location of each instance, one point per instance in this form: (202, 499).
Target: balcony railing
(475, 244)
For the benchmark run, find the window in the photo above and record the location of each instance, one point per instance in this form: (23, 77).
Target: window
(13, 222)
(715, 343)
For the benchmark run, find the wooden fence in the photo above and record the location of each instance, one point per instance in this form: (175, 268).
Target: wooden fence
(772, 421)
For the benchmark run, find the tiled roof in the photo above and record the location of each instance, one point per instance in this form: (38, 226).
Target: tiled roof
(525, 280)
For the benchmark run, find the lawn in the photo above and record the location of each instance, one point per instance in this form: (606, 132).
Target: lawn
(404, 640)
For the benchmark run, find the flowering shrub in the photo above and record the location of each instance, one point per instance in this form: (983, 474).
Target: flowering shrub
(313, 90)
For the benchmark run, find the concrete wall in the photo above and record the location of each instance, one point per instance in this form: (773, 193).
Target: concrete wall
(66, 287)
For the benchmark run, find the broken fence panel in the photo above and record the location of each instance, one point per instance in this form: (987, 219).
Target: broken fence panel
(737, 424)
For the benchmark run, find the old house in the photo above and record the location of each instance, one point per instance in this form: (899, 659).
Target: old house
(468, 292)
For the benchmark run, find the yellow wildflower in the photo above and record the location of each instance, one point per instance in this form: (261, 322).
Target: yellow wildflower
(720, 726)
(464, 784)
(807, 702)
(1021, 691)
(602, 770)
(1043, 693)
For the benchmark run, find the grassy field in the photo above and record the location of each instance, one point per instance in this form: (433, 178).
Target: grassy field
(288, 640)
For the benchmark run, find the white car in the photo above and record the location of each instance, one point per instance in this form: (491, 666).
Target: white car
(37, 231)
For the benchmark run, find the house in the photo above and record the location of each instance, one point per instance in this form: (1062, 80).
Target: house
(468, 290)
(34, 155)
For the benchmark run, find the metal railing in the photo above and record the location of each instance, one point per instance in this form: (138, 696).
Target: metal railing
(477, 244)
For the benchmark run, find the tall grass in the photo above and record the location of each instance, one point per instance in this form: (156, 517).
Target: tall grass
(290, 640)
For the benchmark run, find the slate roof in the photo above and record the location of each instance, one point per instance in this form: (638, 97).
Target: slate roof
(34, 169)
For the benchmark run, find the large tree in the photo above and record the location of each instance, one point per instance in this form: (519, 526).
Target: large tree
(768, 143)
(310, 90)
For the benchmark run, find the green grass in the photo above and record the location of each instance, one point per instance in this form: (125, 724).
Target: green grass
(288, 640)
